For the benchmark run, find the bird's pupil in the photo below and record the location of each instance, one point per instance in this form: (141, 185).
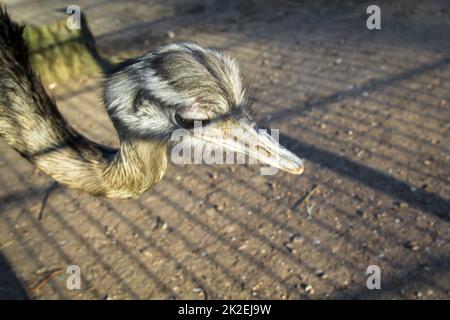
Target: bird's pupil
(188, 123)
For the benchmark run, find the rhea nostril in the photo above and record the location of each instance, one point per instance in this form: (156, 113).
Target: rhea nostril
(261, 148)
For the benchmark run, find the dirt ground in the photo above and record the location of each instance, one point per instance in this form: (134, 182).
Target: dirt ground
(369, 111)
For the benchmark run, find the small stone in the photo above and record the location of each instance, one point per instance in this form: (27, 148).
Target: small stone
(440, 242)
(412, 245)
(148, 233)
(297, 239)
(147, 253)
(157, 223)
(200, 291)
(272, 185)
(307, 287)
(213, 176)
(41, 270)
(288, 246)
(404, 205)
(170, 34)
(361, 213)
(321, 274)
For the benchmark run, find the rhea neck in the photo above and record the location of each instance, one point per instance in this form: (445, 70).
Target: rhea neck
(82, 164)
(136, 166)
(126, 172)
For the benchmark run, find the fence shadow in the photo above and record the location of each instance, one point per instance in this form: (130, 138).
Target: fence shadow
(377, 180)
(11, 288)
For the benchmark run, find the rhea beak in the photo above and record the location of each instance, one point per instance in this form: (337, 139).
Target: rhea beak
(242, 137)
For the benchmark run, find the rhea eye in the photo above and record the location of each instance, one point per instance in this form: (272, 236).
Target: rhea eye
(189, 123)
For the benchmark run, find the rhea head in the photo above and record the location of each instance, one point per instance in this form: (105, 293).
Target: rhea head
(182, 85)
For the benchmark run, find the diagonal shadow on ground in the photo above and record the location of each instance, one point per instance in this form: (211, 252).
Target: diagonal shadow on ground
(414, 278)
(10, 286)
(357, 91)
(375, 179)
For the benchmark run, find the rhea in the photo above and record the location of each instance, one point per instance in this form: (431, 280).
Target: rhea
(147, 99)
